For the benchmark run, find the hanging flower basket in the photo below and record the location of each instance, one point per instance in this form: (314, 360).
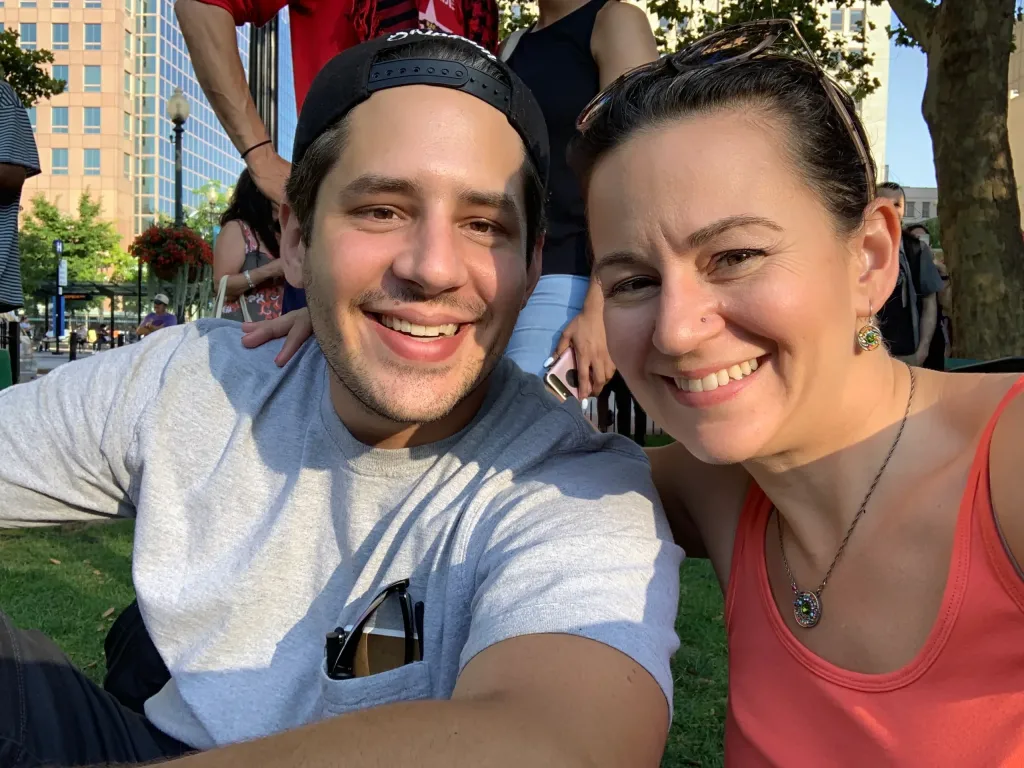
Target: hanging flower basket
(167, 249)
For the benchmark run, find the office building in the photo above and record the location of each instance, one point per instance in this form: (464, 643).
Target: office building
(109, 132)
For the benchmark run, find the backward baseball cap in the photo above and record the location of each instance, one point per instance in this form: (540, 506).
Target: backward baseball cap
(355, 74)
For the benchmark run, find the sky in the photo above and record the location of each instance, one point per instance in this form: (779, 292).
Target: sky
(908, 150)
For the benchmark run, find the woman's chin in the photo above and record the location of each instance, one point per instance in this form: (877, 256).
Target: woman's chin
(719, 444)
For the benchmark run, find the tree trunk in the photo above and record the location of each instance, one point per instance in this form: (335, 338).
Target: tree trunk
(965, 105)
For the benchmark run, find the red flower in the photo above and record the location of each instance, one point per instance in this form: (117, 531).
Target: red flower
(168, 247)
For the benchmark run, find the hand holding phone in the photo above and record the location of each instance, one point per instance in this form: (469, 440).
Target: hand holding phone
(561, 378)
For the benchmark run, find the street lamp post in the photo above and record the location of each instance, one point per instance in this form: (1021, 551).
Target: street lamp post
(177, 111)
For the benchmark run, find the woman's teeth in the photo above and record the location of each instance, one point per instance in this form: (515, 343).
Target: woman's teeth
(713, 381)
(404, 326)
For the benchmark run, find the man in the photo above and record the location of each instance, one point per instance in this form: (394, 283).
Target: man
(320, 29)
(159, 317)
(909, 317)
(19, 161)
(398, 527)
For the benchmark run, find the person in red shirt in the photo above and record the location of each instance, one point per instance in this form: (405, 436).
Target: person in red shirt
(320, 30)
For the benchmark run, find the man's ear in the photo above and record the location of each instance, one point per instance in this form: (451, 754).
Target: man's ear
(293, 249)
(877, 256)
(534, 270)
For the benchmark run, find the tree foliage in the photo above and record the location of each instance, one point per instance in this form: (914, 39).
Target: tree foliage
(513, 15)
(23, 70)
(680, 22)
(205, 219)
(92, 247)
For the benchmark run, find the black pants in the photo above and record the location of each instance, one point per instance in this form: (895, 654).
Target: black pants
(53, 715)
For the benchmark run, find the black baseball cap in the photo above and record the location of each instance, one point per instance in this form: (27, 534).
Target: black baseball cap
(357, 73)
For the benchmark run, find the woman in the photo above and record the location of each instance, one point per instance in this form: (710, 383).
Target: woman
(589, 43)
(865, 519)
(247, 252)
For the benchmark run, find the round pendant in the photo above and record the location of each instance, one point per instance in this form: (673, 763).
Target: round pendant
(807, 609)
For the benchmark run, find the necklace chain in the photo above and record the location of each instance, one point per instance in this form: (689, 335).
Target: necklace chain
(807, 604)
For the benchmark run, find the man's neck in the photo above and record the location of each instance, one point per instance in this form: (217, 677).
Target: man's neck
(374, 430)
(550, 11)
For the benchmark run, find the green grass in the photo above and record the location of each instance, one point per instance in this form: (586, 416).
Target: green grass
(67, 600)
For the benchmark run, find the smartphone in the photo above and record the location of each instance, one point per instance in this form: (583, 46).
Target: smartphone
(561, 378)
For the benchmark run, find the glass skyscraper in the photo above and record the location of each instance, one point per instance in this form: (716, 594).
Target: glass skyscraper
(287, 115)
(108, 134)
(161, 65)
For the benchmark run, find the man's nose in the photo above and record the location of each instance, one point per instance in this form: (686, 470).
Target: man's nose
(435, 261)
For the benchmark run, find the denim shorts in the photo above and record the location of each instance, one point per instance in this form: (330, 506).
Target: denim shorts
(556, 300)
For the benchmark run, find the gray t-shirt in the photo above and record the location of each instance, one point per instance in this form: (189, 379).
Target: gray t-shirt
(262, 524)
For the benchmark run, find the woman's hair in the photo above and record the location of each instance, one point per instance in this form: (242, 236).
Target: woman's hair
(254, 208)
(817, 139)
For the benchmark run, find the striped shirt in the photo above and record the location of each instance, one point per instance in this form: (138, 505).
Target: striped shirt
(17, 147)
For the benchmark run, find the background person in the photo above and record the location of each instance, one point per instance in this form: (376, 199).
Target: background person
(909, 317)
(588, 44)
(19, 161)
(248, 253)
(158, 318)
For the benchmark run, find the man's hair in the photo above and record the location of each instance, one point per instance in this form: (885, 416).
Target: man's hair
(308, 174)
(891, 186)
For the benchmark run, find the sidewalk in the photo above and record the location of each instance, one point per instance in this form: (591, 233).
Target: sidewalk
(47, 361)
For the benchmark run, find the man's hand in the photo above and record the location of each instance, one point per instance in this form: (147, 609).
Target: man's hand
(270, 172)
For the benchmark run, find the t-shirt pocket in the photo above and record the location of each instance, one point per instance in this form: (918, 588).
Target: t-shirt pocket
(406, 683)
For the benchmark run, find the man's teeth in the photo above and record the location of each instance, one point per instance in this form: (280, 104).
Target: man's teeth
(398, 324)
(713, 381)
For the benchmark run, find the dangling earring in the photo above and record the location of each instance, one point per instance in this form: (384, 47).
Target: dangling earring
(869, 337)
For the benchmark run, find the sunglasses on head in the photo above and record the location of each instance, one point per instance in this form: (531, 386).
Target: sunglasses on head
(729, 46)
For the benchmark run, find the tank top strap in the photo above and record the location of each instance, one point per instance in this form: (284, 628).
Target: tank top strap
(252, 245)
(979, 496)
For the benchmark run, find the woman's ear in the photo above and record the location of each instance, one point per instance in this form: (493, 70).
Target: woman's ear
(293, 249)
(876, 262)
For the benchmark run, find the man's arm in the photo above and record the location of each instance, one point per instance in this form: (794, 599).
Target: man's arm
(19, 159)
(931, 284)
(572, 630)
(929, 319)
(66, 436)
(542, 701)
(12, 177)
(209, 32)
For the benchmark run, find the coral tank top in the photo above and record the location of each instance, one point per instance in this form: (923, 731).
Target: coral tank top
(959, 702)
